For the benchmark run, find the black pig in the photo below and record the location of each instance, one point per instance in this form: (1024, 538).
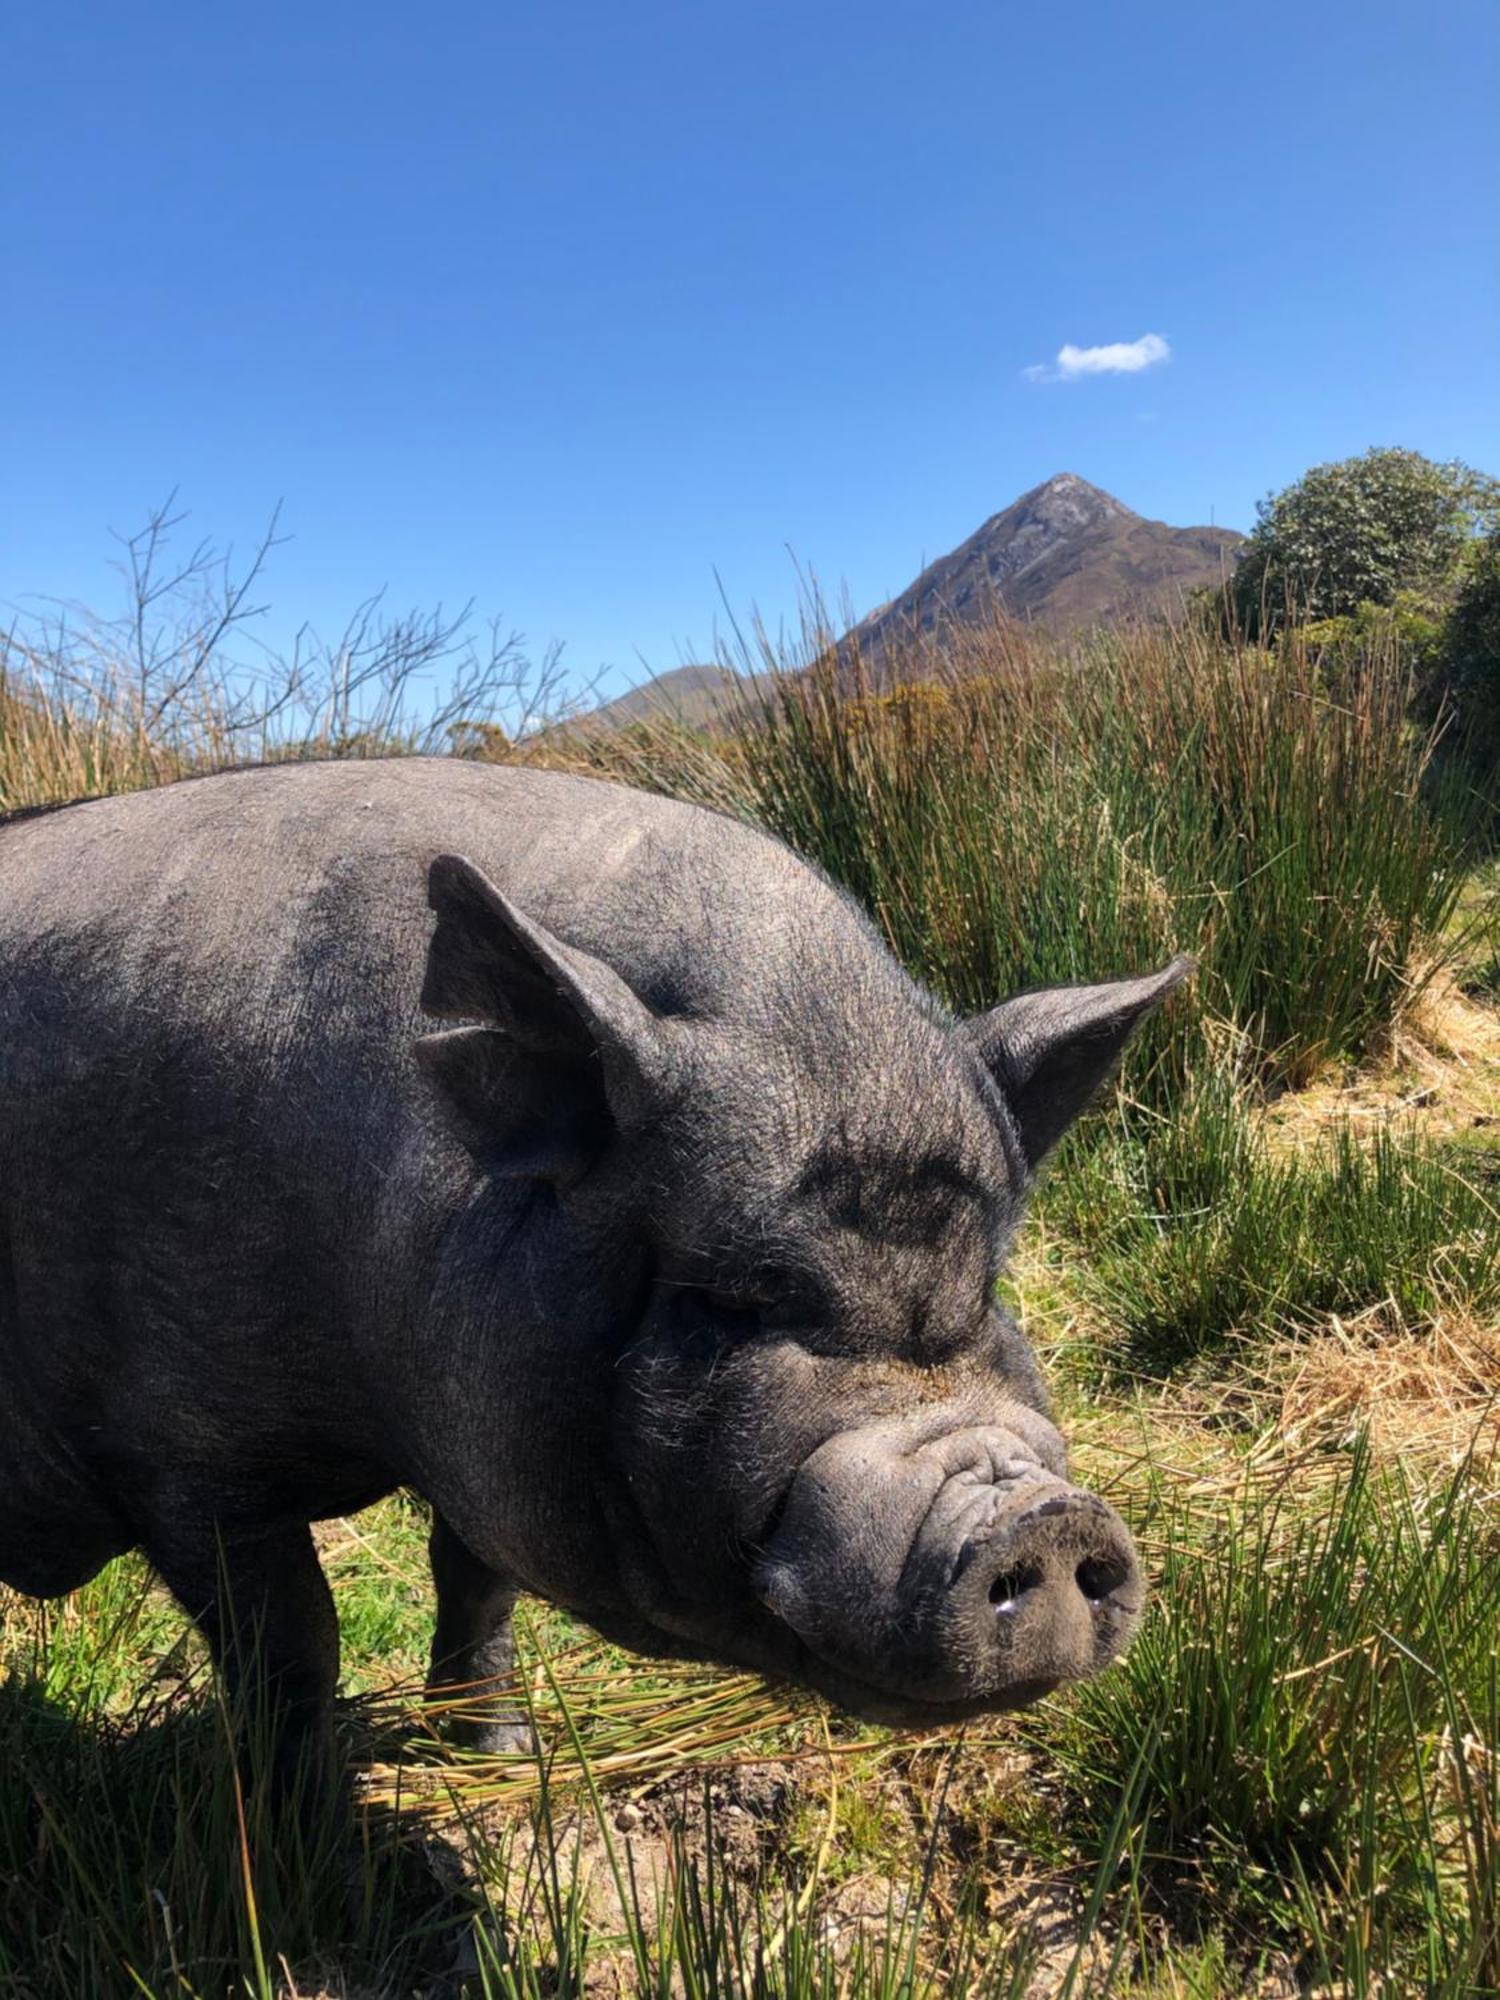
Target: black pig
(668, 1278)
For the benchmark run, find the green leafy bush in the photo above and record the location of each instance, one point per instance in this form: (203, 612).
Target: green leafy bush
(1473, 640)
(1360, 531)
(1412, 624)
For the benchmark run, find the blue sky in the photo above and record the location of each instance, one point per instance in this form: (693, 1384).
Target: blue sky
(566, 308)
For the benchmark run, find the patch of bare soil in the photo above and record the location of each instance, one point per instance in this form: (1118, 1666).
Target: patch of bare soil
(623, 1873)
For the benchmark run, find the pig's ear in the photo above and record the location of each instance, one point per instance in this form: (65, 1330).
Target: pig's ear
(567, 1049)
(1049, 1051)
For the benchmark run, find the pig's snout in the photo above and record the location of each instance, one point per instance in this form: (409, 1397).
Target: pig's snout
(1054, 1596)
(959, 1573)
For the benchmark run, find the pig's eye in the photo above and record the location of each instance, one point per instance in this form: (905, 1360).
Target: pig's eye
(734, 1308)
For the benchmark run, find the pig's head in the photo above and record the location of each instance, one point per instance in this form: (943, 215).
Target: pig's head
(815, 1441)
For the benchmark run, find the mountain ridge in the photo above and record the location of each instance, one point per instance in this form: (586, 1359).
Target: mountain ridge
(1063, 557)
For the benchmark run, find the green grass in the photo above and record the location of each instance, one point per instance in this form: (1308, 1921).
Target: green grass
(1294, 1699)
(1192, 1230)
(133, 1861)
(1477, 931)
(1297, 1757)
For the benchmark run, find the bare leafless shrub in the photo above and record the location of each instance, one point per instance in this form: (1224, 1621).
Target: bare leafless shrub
(183, 678)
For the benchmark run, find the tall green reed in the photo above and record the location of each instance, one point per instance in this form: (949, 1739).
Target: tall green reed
(1312, 1705)
(1188, 1228)
(1027, 814)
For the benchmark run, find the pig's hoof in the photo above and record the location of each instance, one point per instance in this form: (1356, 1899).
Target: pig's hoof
(505, 1736)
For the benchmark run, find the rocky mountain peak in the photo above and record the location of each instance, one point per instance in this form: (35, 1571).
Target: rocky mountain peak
(1066, 554)
(1065, 557)
(1069, 502)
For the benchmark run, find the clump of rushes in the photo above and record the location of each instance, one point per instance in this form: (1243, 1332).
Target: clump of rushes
(1308, 1726)
(1013, 814)
(1190, 1229)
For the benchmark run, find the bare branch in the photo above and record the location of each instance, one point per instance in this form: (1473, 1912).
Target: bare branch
(185, 675)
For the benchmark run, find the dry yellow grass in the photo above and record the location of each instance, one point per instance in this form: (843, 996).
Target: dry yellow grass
(1434, 1395)
(52, 750)
(1442, 1073)
(601, 1722)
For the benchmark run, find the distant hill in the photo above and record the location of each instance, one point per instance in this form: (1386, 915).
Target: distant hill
(1064, 556)
(693, 695)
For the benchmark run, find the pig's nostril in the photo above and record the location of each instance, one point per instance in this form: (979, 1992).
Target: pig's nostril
(1007, 1591)
(1100, 1577)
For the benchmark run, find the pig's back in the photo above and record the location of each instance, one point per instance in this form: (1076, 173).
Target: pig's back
(301, 886)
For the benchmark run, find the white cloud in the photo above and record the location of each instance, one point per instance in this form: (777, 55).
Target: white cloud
(1116, 357)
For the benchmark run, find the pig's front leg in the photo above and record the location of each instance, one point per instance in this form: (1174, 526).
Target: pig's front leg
(473, 1652)
(263, 1603)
